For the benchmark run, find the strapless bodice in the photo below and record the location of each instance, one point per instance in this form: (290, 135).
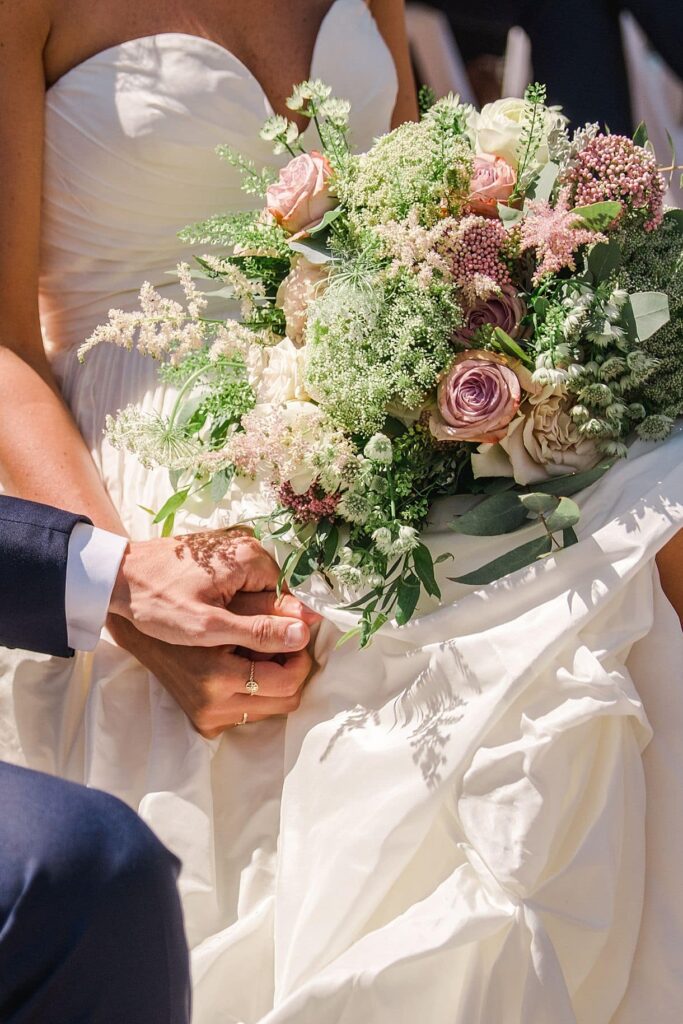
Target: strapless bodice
(130, 136)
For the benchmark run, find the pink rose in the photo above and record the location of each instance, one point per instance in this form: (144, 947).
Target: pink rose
(493, 182)
(476, 399)
(300, 197)
(504, 309)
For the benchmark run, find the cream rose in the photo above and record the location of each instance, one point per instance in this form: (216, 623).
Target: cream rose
(300, 197)
(280, 378)
(498, 130)
(542, 442)
(299, 288)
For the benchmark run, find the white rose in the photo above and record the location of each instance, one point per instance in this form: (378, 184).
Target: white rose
(297, 291)
(498, 130)
(542, 442)
(280, 377)
(303, 420)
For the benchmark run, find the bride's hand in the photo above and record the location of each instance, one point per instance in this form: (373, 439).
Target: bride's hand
(209, 684)
(178, 589)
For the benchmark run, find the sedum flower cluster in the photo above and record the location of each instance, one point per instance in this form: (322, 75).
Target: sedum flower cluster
(483, 303)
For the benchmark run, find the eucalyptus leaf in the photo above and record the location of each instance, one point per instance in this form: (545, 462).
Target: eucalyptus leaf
(315, 251)
(424, 567)
(328, 219)
(674, 217)
(169, 523)
(544, 183)
(501, 513)
(569, 537)
(330, 546)
(508, 563)
(494, 484)
(170, 507)
(650, 311)
(510, 346)
(603, 259)
(574, 482)
(539, 503)
(220, 482)
(509, 216)
(565, 516)
(408, 596)
(597, 216)
(304, 567)
(640, 136)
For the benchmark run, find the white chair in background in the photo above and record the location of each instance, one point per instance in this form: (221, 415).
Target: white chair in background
(656, 98)
(517, 70)
(435, 52)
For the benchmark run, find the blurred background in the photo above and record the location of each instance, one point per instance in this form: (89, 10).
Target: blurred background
(602, 60)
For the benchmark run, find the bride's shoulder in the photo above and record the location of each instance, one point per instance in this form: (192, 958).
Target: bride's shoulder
(23, 26)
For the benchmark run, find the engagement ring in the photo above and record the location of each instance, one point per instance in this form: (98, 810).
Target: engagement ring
(252, 686)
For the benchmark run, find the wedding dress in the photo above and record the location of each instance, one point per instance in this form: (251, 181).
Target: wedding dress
(462, 824)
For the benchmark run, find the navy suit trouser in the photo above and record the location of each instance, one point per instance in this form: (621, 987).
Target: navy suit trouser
(91, 928)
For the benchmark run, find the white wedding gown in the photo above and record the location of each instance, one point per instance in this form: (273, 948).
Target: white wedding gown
(462, 825)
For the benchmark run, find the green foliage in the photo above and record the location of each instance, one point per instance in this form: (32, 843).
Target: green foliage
(426, 98)
(532, 135)
(242, 229)
(366, 351)
(426, 166)
(654, 260)
(255, 181)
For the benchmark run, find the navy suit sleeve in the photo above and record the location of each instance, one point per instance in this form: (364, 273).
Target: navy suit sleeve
(34, 546)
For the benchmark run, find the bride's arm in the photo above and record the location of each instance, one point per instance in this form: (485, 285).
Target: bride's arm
(42, 454)
(670, 565)
(391, 21)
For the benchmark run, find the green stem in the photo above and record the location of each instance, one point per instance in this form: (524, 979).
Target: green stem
(183, 391)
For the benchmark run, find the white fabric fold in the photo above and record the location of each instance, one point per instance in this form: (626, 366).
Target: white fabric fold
(459, 825)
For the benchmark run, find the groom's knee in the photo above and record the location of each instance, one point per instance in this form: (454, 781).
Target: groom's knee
(68, 845)
(86, 890)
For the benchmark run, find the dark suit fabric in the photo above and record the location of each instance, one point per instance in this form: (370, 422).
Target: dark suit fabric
(34, 544)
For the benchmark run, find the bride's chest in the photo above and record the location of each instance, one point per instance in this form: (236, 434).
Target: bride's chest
(275, 41)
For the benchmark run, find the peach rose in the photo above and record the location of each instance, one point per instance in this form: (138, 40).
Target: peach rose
(300, 197)
(299, 288)
(476, 399)
(493, 181)
(542, 442)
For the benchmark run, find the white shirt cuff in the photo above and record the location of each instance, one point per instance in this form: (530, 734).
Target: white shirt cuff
(92, 566)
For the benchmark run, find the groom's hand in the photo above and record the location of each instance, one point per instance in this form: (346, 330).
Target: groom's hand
(178, 590)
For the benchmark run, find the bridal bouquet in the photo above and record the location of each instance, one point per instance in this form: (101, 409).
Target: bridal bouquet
(483, 303)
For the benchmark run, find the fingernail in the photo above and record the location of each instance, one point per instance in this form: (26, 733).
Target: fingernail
(296, 634)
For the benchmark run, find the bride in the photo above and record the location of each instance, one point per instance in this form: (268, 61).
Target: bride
(453, 824)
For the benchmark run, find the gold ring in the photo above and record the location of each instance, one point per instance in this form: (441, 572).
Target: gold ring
(252, 686)
(245, 719)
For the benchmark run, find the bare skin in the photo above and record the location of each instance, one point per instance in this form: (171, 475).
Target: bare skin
(42, 455)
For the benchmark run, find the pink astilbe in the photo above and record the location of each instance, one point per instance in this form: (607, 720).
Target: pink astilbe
(612, 167)
(472, 248)
(311, 506)
(270, 440)
(554, 235)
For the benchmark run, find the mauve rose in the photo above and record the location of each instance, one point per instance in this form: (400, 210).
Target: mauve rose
(493, 181)
(505, 310)
(476, 399)
(300, 197)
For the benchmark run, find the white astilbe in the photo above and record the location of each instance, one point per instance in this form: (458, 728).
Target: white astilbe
(160, 327)
(235, 339)
(246, 290)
